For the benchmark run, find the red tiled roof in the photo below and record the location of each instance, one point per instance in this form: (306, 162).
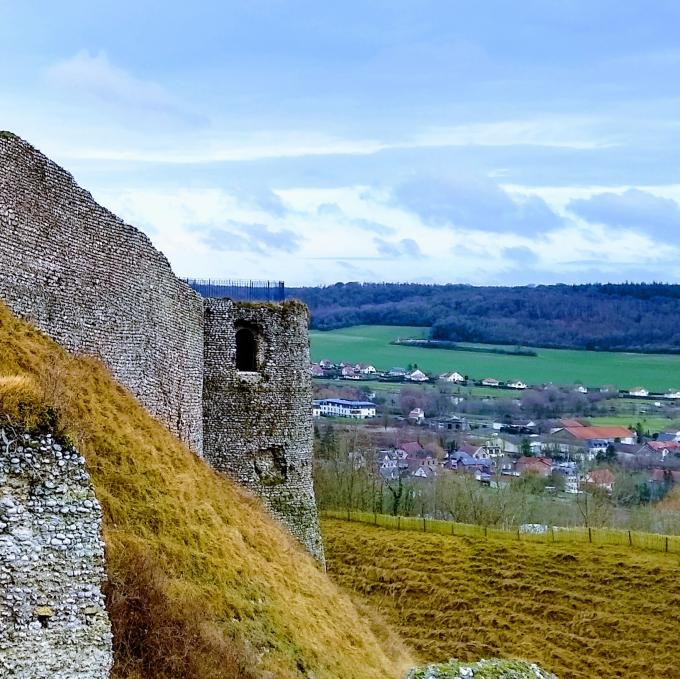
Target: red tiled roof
(601, 476)
(534, 462)
(661, 445)
(585, 433)
(412, 448)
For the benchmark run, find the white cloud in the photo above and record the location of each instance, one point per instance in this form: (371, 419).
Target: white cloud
(333, 244)
(216, 145)
(550, 131)
(94, 75)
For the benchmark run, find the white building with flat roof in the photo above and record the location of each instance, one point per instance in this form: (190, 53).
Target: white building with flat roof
(339, 407)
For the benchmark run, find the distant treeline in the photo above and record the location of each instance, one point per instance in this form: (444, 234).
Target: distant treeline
(453, 346)
(615, 317)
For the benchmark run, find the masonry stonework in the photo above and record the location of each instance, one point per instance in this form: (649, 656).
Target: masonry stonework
(96, 285)
(53, 622)
(257, 421)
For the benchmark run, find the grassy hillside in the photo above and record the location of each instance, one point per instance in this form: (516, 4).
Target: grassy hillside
(579, 611)
(371, 344)
(203, 583)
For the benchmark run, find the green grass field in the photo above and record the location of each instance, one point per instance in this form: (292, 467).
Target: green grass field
(651, 423)
(371, 344)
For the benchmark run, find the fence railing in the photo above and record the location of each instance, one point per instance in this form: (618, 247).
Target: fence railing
(596, 536)
(244, 290)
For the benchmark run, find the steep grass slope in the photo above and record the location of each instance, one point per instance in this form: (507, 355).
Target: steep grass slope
(203, 583)
(579, 611)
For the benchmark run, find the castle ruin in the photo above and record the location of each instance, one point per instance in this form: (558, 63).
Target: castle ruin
(230, 378)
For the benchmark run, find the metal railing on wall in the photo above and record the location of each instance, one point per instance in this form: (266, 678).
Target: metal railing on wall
(597, 536)
(244, 290)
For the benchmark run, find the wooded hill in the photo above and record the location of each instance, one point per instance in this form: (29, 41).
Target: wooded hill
(613, 317)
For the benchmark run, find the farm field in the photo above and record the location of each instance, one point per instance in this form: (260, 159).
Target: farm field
(371, 344)
(651, 423)
(581, 611)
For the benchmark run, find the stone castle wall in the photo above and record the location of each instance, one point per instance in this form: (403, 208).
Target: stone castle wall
(53, 621)
(257, 423)
(97, 285)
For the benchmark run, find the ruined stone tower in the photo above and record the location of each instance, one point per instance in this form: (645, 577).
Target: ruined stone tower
(231, 379)
(256, 395)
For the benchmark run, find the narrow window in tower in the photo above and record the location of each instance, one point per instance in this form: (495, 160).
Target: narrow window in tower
(246, 350)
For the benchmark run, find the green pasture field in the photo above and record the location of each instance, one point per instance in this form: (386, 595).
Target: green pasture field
(371, 344)
(652, 423)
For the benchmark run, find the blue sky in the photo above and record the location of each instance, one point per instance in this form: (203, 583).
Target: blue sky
(477, 142)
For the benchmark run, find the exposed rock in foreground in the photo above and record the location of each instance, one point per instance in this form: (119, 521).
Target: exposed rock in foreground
(53, 622)
(484, 669)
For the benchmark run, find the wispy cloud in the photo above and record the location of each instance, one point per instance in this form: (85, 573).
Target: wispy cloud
(474, 202)
(333, 211)
(568, 132)
(94, 75)
(239, 236)
(222, 146)
(633, 209)
(406, 247)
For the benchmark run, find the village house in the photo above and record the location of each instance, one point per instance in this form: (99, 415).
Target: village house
(417, 376)
(474, 450)
(569, 472)
(316, 370)
(589, 441)
(326, 364)
(581, 389)
(392, 463)
(664, 448)
(480, 446)
(452, 377)
(316, 409)
(517, 384)
(540, 466)
(506, 466)
(365, 368)
(669, 436)
(416, 415)
(338, 407)
(672, 393)
(629, 453)
(601, 478)
(461, 461)
(422, 467)
(452, 423)
(413, 449)
(638, 391)
(350, 373)
(490, 382)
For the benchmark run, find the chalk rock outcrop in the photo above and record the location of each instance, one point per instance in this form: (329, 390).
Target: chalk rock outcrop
(53, 621)
(484, 669)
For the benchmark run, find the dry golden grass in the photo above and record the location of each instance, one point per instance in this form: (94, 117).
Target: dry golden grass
(580, 611)
(203, 583)
(21, 400)
(671, 502)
